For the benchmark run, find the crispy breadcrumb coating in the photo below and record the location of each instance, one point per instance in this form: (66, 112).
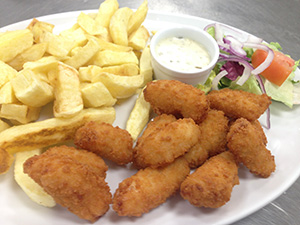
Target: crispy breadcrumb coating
(149, 188)
(90, 159)
(236, 103)
(166, 144)
(177, 98)
(73, 184)
(212, 183)
(106, 141)
(248, 146)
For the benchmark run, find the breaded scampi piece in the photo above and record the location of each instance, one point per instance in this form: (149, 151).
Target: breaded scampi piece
(249, 148)
(149, 188)
(156, 124)
(72, 184)
(196, 156)
(212, 183)
(177, 98)
(105, 140)
(166, 144)
(90, 159)
(260, 130)
(213, 132)
(236, 103)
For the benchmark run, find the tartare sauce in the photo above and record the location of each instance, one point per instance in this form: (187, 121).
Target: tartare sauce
(182, 54)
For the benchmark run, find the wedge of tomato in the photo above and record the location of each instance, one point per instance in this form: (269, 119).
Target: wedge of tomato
(279, 69)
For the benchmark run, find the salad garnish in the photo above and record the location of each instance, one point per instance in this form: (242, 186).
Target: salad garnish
(236, 69)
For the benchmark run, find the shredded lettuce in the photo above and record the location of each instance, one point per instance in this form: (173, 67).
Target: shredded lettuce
(251, 85)
(283, 93)
(288, 93)
(206, 87)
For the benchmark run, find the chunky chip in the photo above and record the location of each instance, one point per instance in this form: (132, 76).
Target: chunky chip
(19, 113)
(84, 54)
(96, 95)
(120, 86)
(138, 117)
(13, 43)
(31, 90)
(112, 58)
(34, 191)
(67, 95)
(118, 26)
(137, 18)
(106, 11)
(51, 131)
(35, 52)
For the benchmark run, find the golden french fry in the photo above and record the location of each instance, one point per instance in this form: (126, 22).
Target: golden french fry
(105, 45)
(138, 17)
(38, 28)
(50, 131)
(96, 95)
(106, 11)
(19, 113)
(3, 125)
(76, 36)
(120, 86)
(56, 45)
(67, 95)
(138, 117)
(90, 26)
(139, 38)
(112, 58)
(86, 73)
(13, 43)
(6, 161)
(35, 52)
(31, 90)
(126, 69)
(83, 54)
(145, 66)
(7, 94)
(118, 26)
(43, 65)
(6, 73)
(34, 191)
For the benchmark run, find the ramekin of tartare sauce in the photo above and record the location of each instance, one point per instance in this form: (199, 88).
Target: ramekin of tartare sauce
(187, 54)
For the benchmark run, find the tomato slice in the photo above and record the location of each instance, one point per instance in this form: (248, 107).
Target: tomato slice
(279, 69)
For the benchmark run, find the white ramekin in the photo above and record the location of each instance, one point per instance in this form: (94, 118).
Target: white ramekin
(197, 76)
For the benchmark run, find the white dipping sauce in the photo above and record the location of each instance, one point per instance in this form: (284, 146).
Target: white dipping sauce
(182, 54)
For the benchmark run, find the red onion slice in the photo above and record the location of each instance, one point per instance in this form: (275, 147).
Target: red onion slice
(265, 64)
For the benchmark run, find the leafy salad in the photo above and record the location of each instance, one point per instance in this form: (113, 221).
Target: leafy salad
(253, 66)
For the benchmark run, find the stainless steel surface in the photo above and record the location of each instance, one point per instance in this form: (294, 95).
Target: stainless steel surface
(273, 20)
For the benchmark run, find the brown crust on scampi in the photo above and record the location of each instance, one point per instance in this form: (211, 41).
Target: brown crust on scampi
(177, 98)
(236, 103)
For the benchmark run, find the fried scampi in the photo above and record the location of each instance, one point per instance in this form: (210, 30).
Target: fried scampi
(168, 142)
(248, 146)
(236, 103)
(106, 141)
(74, 184)
(213, 131)
(177, 98)
(149, 188)
(212, 183)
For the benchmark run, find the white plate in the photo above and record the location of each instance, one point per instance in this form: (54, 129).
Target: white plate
(252, 194)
